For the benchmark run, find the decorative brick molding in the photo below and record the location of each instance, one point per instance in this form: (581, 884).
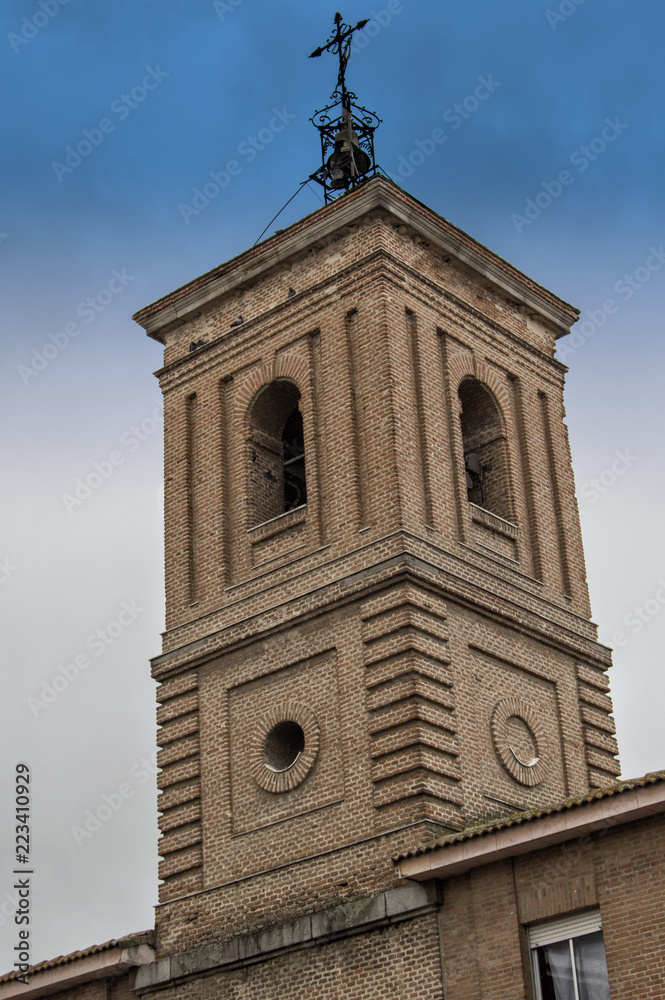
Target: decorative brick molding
(468, 366)
(180, 787)
(284, 780)
(527, 772)
(410, 702)
(493, 532)
(598, 725)
(280, 536)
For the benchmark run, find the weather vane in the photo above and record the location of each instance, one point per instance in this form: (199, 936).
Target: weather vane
(340, 42)
(347, 139)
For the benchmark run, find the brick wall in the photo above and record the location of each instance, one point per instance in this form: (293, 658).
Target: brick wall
(111, 988)
(406, 621)
(399, 961)
(486, 913)
(378, 358)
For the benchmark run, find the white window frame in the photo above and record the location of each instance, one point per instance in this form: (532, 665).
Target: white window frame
(557, 930)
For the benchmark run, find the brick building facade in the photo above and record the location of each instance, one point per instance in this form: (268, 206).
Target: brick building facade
(387, 750)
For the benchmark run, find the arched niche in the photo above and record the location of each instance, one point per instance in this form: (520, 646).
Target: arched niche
(277, 481)
(485, 449)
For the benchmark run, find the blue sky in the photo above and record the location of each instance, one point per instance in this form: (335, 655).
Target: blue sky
(557, 166)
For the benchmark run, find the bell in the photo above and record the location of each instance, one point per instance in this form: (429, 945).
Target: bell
(348, 161)
(338, 174)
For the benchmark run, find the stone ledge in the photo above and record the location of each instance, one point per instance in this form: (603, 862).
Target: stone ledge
(334, 583)
(273, 526)
(499, 524)
(315, 929)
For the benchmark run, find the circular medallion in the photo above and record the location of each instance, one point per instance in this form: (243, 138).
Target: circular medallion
(284, 748)
(517, 741)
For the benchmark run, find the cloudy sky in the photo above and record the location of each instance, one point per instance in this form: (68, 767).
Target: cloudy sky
(114, 113)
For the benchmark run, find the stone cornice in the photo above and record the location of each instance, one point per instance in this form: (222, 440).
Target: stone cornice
(377, 193)
(563, 629)
(357, 917)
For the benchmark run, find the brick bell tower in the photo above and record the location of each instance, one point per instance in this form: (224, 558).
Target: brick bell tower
(377, 614)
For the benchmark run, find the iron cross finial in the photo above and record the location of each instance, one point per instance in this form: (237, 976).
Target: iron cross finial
(340, 42)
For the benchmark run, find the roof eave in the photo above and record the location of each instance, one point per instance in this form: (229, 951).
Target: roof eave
(378, 193)
(58, 978)
(535, 834)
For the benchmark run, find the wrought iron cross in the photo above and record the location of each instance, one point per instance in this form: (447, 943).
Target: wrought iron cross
(340, 42)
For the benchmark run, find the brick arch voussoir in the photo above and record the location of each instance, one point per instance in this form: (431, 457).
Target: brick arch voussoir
(295, 370)
(490, 380)
(460, 368)
(252, 385)
(256, 382)
(487, 378)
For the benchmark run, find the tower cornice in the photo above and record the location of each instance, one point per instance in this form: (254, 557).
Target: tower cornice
(377, 193)
(521, 609)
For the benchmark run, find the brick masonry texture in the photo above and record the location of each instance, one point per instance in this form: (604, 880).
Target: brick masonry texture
(619, 870)
(116, 988)
(389, 616)
(396, 961)
(469, 943)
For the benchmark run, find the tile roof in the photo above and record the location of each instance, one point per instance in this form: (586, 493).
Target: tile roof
(130, 941)
(528, 815)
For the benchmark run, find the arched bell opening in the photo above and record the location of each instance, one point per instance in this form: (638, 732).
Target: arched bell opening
(277, 480)
(486, 467)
